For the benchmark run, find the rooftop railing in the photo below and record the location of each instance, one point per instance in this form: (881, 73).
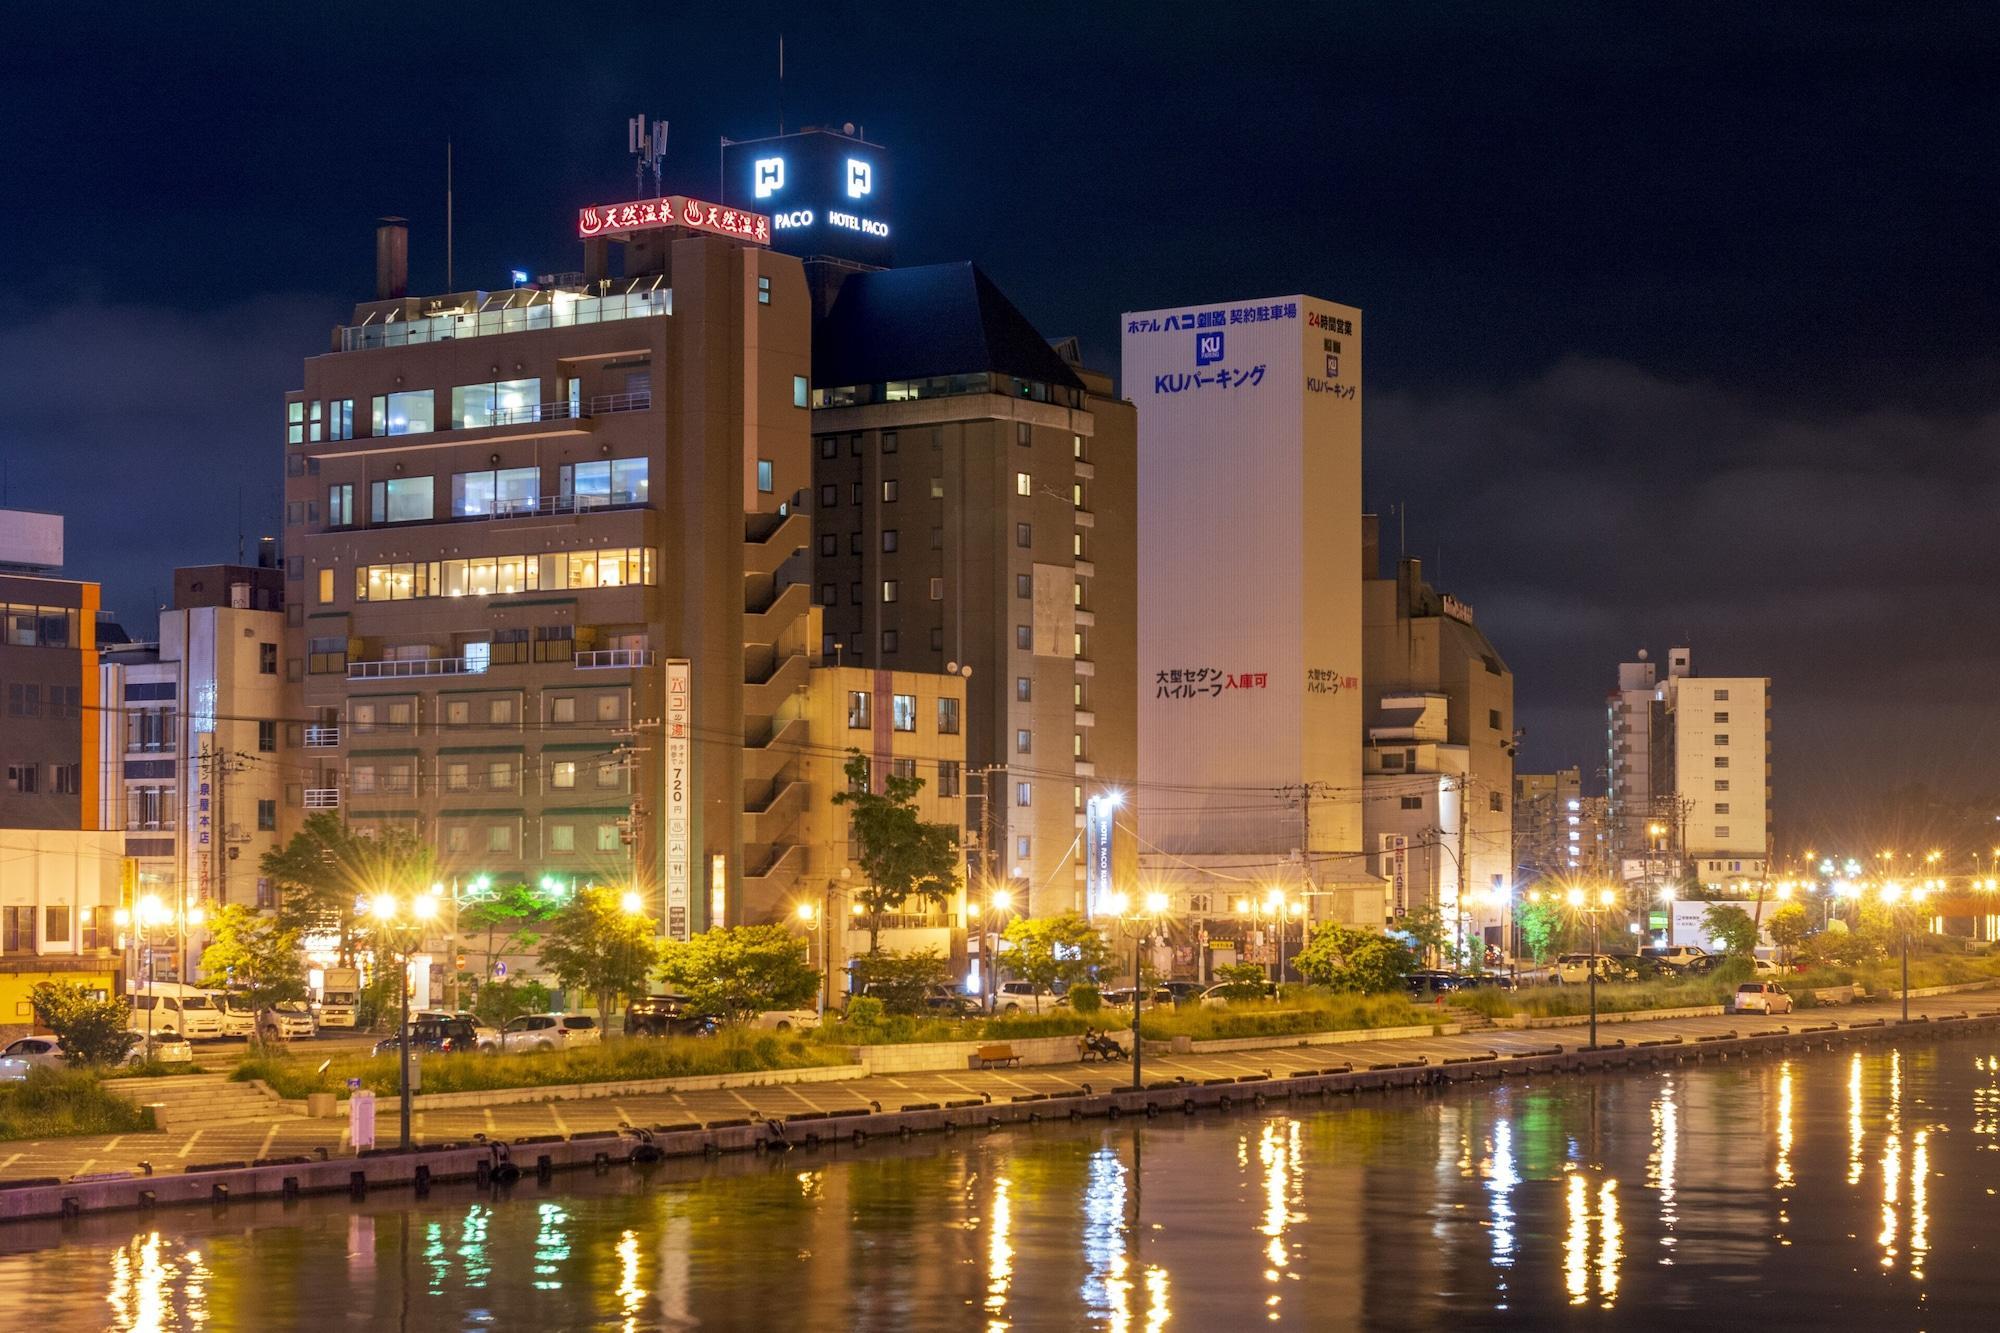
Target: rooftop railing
(518, 311)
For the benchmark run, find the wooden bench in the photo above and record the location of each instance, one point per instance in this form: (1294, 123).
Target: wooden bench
(996, 1056)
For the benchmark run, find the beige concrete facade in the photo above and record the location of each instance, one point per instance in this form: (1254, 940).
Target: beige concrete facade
(487, 584)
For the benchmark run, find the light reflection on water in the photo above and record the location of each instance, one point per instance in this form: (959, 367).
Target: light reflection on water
(1523, 1201)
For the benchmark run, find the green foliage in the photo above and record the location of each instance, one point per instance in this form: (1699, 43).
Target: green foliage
(90, 1031)
(740, 971)
(1367, 961)
(327, 867)
(1241, 981)
(255, 956)
(732, 1051)
(902, 856)
(1545, 928)
(506, 918)
(594, 947)
(57, 1103)
(1302, 1011)
(894, 1029)
(1789, 926)
(1085, 998)
(864, 1011)
(1731, 927)
(1432, 934)
(901, 981)
(1048, 950)
(501, 1002)
(379, 999)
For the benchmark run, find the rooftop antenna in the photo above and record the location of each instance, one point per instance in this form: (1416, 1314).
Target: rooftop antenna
(781, 83)
(648, 145)
(447, 216)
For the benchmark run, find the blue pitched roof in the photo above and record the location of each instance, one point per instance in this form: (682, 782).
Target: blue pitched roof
(934, 319)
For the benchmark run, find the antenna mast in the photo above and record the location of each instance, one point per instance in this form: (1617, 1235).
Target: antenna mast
(447, 217)
(648, 146)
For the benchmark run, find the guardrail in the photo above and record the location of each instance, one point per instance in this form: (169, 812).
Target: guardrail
(605, 659)
(322, 798)
(399, 668)
(322, 738)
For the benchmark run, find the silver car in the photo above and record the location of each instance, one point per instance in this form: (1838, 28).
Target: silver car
(550, 1032)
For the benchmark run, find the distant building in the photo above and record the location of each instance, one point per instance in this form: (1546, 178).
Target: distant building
(1440, 750)
(1548, 825)
(195, 753)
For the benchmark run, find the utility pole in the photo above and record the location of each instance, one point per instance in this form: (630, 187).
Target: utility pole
(1464, 881)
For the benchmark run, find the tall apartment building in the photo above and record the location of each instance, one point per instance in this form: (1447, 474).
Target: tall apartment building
(191, 743)
(1440, 701)
(1689, 759)
(545, 564)
(973, 509)
(1548, 825)
(1250, 627)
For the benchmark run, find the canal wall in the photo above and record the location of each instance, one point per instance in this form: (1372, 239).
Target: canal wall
(498, 1163)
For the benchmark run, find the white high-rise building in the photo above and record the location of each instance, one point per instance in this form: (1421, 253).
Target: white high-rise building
(1250, 723)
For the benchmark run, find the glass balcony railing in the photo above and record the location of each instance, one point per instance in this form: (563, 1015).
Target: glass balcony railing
(518, 311)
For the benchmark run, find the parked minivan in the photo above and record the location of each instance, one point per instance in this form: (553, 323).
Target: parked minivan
(189, 1013)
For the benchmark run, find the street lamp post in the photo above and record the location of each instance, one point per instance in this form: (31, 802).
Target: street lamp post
(1594, 907)
(808, 916)
(408, 934)
(1155, 906)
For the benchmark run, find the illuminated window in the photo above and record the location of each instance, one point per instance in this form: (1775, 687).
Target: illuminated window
(763, 291)
(325, 587)
(562, 837)
(1023, 484)
(858, 704)
(501, 403)
(413, 412)
(801, 391)
(947, 717)
(765, 476)
(905, 711)
(400, 500)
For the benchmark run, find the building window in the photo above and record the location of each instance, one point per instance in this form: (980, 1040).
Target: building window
(1024, 534)
(763, 291)
(1493, 718)
(1023, 847)
(458, 839)
(889, 641)
(66, 779)
(1721, 831)
(829, 544)
(904, 711)
(829, 594)
(1722, 807)
(903, 768)
(937, 590)
(1722, 761)
(267, 737)
(607, 838)
(829, 496)
(326, 587)
(937, 639)
(1023, 484)
(497, 403)
(947, 717)
(562, 837)
(1495, 802)
(499, 838)
(1412, 802)
(858, 706)
(829, 446)
(889, 491)
(267, 816)
(55, 925)
(801, 391)
(340, 418)
(497, 491)
(889, 442)
(1024, 637)
(1722, 696)
(409, 413)
(562, 774)
(1721, 719)
(889, 538)
(340, 506)
(854, 543)
(295, 415)
(1721, 739)
(562, 708)
(1390, 759)
(1021, 435)
(1024, 741)
(889, 590)
(948, 778)
(1722, 784)
(864, 780)
(267, 659)
(400, 500)
(1024, 585)
(766, 476)
(1023, 793)
(1024, 688)
(326, 656)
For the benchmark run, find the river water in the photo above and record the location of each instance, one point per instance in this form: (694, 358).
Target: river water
(1847, 1189)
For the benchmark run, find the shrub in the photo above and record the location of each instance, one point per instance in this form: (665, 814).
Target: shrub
(55, 1103)
(901, 980)
(1240, 981)
(865, 1011)
(89, 1031)
(1085, 998)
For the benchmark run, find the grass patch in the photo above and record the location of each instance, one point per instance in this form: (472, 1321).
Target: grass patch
(58, 1103)
(1298, 1011)
(899, 1029)
(611, 1062)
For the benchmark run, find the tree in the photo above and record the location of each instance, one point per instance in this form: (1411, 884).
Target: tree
(255, 956)
(501, 1002)
(1545, 928)
(1242, 981)
(1732, 928)
(901, 981)
(1050, 949)
(327, 867)
(1431, 934)
(737, 972)
(90, 1031)
(1789, 927)
(596, 948)
(902, 856)
(507, 915)
(1355, 960)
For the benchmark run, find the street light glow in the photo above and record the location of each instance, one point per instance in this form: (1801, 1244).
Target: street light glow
(1574, 897)
(806, 912)
(1156, 903)
(383, 907)
(424, 907)
(1002, 900)
(632, 904)
(1118, 903)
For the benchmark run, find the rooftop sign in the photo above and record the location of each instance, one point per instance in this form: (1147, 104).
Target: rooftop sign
(674, 210)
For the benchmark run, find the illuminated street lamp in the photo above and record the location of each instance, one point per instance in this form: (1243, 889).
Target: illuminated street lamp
(407, 930)
(1895, 895)
(998, 904)
(1594, 905)
(1139, 916)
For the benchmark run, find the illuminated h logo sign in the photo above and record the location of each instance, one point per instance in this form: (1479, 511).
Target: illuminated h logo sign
(1207, 348)
(770, 176)
(860, 178)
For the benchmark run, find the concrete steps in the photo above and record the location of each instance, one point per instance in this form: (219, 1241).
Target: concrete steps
(189, 1100)
(1468, 1020)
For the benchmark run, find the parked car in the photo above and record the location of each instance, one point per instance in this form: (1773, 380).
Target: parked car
(951, 1003)
(786, 1020)
(1688, 958)
(1222, 993)
(1016, 995)
(548, 1032)
(1761, 997)
(167, 1049)
(27, 1053)
(664, 1016)
(1765, 967)
(239, 1018)
(1120, 997)
(1574, 969)
(440, 1036)
(485, 1037)
(1428, 982)
(188, 1015)
(1183, 992)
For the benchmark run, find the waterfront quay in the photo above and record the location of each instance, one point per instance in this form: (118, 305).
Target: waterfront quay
(249, 1145)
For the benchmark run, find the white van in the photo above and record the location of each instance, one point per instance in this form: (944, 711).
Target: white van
(238, 1018)
(183, 1010)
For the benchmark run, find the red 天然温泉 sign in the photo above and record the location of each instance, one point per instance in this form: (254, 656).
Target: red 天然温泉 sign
(674, 210)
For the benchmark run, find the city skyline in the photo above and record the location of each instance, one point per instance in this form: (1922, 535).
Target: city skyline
(1676, 429)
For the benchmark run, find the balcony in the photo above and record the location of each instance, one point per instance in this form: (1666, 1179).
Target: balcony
(407, 668)
(1085, 469)
(322, 738)
(613, 659)
(1085, 718)
(516, 311)
(1085, 667)
(1085, 617)
(551, 506)
(322, 798)
(597, 405)
(1086, 518)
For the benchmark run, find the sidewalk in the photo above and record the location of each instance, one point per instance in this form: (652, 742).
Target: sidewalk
(183, 1145)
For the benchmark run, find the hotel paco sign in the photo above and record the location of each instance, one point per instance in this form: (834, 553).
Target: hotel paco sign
(674, 210)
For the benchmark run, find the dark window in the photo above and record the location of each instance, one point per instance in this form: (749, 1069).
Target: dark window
(267, 737)
(1495, 802)
(1413, 802)
(829, 544)
(829, 496)
(267, 816)
(889, 538)
(1493, 718)
(1024, 534)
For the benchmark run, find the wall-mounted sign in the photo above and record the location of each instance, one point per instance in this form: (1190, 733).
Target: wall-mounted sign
(828, 192)
(1456, 609)
(674, 210)
(679, 797)
(1097, 823)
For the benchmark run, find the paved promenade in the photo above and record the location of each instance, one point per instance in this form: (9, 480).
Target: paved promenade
(247, 1131)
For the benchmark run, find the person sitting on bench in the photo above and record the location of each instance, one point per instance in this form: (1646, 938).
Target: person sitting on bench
(1100, 1045)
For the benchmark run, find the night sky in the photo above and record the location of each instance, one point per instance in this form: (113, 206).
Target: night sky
(1680, 317)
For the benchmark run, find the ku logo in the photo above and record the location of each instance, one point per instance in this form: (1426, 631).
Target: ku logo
(860, 178)
(770, 176)
(1332, 366)
(1207, 348)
